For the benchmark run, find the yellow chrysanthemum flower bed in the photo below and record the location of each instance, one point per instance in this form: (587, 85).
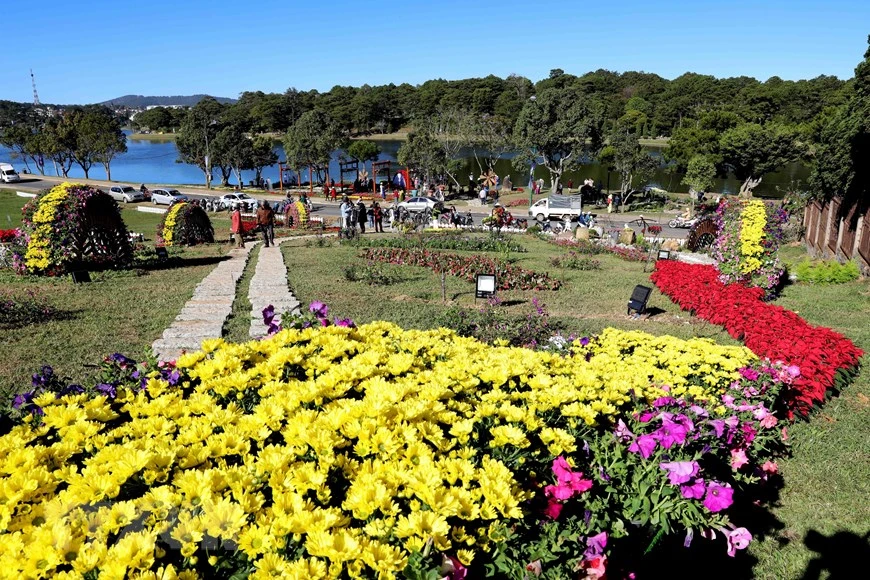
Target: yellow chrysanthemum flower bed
(751, 235)
(169, 224)
(318, 452)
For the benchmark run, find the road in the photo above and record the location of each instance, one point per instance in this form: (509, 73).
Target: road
(33, 183)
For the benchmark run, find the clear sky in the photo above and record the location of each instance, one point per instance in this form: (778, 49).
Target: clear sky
(84, 51)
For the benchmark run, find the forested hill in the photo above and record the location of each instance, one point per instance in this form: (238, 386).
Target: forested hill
(138, 101)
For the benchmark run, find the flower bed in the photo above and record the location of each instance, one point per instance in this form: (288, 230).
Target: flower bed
(369, 451)
(185, 224)
(770, 331)
(627, 253)
(69, 226)
(445, 241)
(508, 277)
(8, 236)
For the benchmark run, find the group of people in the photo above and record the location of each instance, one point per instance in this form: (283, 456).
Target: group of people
(353, 215)
(265, 223)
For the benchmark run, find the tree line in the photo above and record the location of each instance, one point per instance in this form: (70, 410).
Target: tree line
(735, 125)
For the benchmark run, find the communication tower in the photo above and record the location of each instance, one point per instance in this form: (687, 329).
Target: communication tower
(35, 94)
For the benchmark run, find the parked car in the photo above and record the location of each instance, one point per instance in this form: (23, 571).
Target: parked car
(231, 200)
(166, 196)
(417, 204)
(8, 173)
(126, 193)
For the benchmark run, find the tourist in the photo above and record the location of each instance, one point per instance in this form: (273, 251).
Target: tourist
(362, 216)
(371, 218)
(344, 211)
(616, 200)
(559, 189)
(609, 203)
(378, 215)
(266, 222)
(482, 195)
(570, 184)
(332, 193)
(236, 227)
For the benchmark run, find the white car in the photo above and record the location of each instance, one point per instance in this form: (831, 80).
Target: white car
(231, 200)
(416, 204)
(8, 173)
(166, 196)
(126, 193)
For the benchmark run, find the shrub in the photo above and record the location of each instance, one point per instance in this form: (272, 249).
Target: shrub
(574, 262)
(827, 272)
(457, 241)
(492, 324)
(17, 311)
(185, 224)
(372, 273)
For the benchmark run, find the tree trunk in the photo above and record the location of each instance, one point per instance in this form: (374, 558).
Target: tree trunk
(238, 171)
(108, 171)
(56, 170)
(207, 179)
(747, 187)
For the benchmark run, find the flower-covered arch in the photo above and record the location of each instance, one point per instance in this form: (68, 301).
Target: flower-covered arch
(185, 224)
(72, 226)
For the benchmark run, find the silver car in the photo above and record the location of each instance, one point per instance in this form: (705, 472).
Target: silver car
(231, 200)
(166, 196)
(126, 194)
(417, 204)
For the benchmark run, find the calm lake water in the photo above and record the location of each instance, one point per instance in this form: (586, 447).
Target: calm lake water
(154, 161)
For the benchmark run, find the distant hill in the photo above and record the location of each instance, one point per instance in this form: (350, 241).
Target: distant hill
(138, 101)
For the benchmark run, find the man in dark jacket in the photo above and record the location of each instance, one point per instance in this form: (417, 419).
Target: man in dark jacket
(362, 216)
(266, 222)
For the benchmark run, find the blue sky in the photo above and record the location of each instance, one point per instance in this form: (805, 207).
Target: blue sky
(93, 50)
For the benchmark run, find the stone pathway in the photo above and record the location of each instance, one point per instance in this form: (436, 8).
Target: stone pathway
(269, 286)
(204, 315)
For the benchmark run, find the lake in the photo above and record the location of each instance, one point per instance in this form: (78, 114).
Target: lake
(154, 162)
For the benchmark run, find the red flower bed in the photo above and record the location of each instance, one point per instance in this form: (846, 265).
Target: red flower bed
(7, 236)
(768, 330)
(508, 277)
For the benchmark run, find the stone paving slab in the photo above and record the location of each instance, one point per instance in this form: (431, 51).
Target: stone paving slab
(204, 315)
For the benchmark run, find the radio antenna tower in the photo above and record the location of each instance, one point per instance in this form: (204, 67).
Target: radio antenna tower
(35, 94)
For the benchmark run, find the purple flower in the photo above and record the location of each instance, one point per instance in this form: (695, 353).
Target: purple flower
(622, 431)
(106, 389)
(694, 490)
(21, 400)
(749, 374)
(794, 371)
(663, 402)
(670, 434)
(718, 426)
(346, 322)
(595, 545)
(738, 539)
(319, 309)
(690, 533)
(173, 377)
(645, 445)
(719, 496)
(699, 411)
(646, 417)
(680, 471)
(584, 341)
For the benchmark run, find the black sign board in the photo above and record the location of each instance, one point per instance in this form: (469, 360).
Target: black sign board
(81, 276)
(162, 254)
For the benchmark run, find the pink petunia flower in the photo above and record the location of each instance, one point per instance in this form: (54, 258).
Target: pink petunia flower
(769, 422)
(719, 496)
(738, 539)
(645, 445)
(738, 458)
(694, 490)
(680, 471)
(770, 467)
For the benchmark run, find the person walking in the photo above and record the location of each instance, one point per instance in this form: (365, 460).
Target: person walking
(266, 222)
(236, 227)
(378, 215)
(362, 216)
(482, 195)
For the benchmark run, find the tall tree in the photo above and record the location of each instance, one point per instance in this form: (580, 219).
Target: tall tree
(558, 130)
(231, 150)
(451, 128)
(364, 151)
(490, 140)
(311, 140)
(841, 157)
(262, 155)
(699, 177)
(198, 129)
(751, 151)
(423, 154)
(102, 132)
(634, 165)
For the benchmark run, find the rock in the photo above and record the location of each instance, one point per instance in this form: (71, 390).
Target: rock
(626, 236)
(671, 245)
(582, 234)
(569, 235)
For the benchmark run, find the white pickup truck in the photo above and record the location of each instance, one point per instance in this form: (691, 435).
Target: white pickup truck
(557, 207)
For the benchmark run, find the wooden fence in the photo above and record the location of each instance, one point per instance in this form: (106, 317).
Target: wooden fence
(838, 230)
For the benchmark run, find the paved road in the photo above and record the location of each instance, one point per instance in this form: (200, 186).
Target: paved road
(33, 183)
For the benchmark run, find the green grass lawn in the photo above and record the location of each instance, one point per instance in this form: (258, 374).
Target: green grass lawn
(827, 481)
